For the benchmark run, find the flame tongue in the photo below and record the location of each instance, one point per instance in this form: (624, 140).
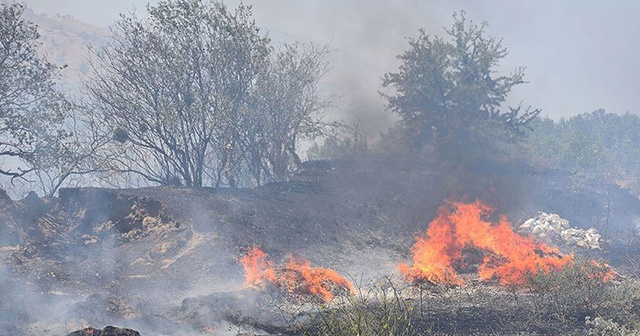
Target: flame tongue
(258, 270)
(509, 257)
(296, 277)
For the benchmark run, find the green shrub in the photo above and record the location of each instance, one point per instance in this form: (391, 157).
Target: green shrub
(606, 327)
(578, 293)
(380, 310)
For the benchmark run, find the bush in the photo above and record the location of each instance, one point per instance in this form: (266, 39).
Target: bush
(605, 327)
(380, 310)
(577, 293)
(571, 301)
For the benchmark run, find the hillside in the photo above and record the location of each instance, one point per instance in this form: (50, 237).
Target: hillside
(65, 41)
(462, 237)
(146, 258)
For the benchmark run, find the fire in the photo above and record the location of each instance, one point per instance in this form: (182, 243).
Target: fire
(603, 272)
(296, 277)
(507, 256)
(258, 270)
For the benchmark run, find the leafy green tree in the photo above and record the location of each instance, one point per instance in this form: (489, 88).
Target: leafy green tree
(594, 144)
(449, 95)
(32, 109)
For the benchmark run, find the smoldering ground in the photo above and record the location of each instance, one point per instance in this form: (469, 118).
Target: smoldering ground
(100, 258)
(165, 260)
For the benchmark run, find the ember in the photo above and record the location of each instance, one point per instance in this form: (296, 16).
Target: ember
(296, 277)
(507, 256)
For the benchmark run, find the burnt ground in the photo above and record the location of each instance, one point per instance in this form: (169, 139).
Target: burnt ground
(164, 260)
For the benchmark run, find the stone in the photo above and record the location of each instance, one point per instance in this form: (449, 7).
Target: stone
(553, 229)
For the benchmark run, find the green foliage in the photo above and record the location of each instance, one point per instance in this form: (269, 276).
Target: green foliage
(577, 293)
(606, 327)
(32, 110)
(598, 144)
(449, 95)
(381, 310)
(572, 301)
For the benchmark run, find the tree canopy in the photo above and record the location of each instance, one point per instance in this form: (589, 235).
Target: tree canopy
(32, 108)
(196, 95)
(448, 92)
(594, 144)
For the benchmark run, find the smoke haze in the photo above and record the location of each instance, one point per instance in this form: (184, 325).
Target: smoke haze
(579, 55)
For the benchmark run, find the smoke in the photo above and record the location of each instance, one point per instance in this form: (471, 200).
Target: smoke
(577, 57)
(99, 257)
(26, 308)
(138, 283)
(365, 38)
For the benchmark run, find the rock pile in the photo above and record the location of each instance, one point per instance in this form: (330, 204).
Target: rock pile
(553, 229)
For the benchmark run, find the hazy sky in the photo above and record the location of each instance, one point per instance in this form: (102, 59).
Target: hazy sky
(579, 55)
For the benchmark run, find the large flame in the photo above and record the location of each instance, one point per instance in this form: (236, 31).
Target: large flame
(296, 277)
(508, 256)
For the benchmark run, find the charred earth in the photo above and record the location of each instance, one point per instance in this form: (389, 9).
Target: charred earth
(165, 260)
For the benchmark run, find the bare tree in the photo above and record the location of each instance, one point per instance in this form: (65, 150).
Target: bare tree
(194, 95)
(290, 106)
(82, 154)
(170, 88)
(349, 142)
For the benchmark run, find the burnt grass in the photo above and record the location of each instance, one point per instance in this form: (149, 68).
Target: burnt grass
(164, 260)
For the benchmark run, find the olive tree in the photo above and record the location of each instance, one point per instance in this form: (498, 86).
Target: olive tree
(32, 109)
(449, 94)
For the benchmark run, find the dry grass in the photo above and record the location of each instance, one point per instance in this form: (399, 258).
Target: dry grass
(568, 302)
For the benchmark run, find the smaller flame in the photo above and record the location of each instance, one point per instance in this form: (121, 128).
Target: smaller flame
(297, 276)
(258, 270)
(603, 272)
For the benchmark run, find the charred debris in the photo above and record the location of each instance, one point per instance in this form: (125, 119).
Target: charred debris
(166, 260)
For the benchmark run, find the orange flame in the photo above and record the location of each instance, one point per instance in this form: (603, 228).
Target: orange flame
(603, 272)
(297, 276)
(508, 256)
(258, 270)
